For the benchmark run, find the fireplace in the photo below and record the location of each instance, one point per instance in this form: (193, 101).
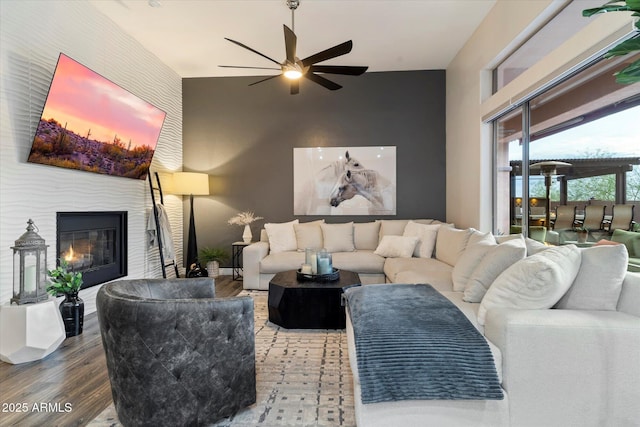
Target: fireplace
(94, 243)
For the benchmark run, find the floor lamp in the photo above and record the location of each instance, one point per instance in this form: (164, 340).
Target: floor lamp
(192, 184)
(548, 169)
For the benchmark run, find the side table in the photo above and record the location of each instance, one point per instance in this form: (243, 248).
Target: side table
(236, 259)
(30, 332)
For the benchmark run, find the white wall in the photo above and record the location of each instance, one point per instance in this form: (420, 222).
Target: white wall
(469, 141)
(33, 33)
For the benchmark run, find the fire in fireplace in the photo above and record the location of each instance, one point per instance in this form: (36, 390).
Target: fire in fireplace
(94, 243)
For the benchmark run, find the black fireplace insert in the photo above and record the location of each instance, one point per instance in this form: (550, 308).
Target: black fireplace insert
(94, 243)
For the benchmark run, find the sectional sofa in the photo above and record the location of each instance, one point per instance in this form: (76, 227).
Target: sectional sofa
(562, 323)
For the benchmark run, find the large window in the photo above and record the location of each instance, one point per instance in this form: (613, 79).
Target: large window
(587, 122)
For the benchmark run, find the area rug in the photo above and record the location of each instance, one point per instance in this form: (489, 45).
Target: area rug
(302, 378)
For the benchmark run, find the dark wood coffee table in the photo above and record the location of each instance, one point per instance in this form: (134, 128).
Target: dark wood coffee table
(307, 304)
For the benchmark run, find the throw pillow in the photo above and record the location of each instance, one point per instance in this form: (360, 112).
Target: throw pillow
(469, 260)
(396, 246)
(365, 235)
(308, 235)
(599, 281)
(338, 237)
(450, 244)
(496, 260)
(394, 227)
(426, 234)
(536, 282)
(282, 236)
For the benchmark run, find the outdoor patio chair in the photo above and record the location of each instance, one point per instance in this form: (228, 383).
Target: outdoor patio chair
(621, 218)
(593, 217)
(565, 218)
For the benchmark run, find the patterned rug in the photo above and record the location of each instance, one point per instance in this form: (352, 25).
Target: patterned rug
(303, 378)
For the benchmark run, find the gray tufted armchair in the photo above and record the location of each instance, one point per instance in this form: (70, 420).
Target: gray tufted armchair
(176, 355)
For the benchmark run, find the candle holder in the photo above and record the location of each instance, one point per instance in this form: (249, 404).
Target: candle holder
(29, 267)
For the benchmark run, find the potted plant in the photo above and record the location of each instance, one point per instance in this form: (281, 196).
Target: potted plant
(244, 218)
(583, 234)
(212, 257)
(68, 283)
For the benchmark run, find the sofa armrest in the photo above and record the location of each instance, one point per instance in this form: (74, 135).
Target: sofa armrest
(251, 257)
(568, 367)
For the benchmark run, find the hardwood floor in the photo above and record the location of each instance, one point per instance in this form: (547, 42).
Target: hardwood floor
(70, 387)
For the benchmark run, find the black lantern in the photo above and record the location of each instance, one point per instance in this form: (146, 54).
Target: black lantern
(29, 267)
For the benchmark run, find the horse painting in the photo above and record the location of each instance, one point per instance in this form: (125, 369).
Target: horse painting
(346, 187)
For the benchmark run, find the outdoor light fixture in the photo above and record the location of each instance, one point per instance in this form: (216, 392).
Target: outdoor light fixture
(548, 169)
(29, 267)
(193, 184)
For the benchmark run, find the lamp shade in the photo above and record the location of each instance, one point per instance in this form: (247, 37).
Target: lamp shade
(193, 183)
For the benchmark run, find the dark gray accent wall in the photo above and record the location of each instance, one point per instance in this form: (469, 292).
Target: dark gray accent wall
(243, 136)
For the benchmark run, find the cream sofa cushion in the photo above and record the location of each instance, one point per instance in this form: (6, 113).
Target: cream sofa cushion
(599, 281)
(395, 227)
(493, 263)
(419, 270)
(362, 261)
(451, 243)
(366, 235)
(308, 235)
(470, 258)
(535, 282)
(282, 236)
(426, 234)
(281, 261)
(396, 246)
(338, 237)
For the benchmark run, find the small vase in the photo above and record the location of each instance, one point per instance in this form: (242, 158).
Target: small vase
(213, 267)
(72, 311)
(246, 235)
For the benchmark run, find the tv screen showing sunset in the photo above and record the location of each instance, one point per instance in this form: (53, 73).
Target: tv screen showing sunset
(90, 123)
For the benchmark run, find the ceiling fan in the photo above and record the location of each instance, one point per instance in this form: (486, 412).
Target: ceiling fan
(294, 68)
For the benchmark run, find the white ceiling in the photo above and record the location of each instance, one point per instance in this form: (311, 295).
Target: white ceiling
(388, 35)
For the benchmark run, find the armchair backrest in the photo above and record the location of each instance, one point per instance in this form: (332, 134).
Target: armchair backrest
(175, 354)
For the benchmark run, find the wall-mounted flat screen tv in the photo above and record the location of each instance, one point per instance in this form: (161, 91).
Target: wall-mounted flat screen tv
(90, 123)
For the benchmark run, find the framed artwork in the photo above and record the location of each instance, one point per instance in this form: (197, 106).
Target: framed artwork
(344, 181)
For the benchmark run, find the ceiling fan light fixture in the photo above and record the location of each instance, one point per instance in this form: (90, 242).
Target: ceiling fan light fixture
(293, 68)
(293, 74)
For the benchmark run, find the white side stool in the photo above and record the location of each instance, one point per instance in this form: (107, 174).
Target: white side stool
(30, 332)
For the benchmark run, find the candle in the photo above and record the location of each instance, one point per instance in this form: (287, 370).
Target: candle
(30, 279)
(306, 269)
(314, 263)
(323, 266)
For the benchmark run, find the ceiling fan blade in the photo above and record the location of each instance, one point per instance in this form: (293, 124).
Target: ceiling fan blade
(338, 69)
(290, 41)
(295, 87)
(264, 80)
(252, 50)
(253, 68)
(332, 52)
(322, 81)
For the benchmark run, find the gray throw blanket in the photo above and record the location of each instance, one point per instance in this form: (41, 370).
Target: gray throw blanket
(412, 343)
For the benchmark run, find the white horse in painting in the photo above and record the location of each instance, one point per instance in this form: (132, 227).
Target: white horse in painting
(314, 200)
(367, 184)
(346, 187)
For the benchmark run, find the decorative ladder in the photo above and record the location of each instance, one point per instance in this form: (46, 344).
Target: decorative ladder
(153, 189)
